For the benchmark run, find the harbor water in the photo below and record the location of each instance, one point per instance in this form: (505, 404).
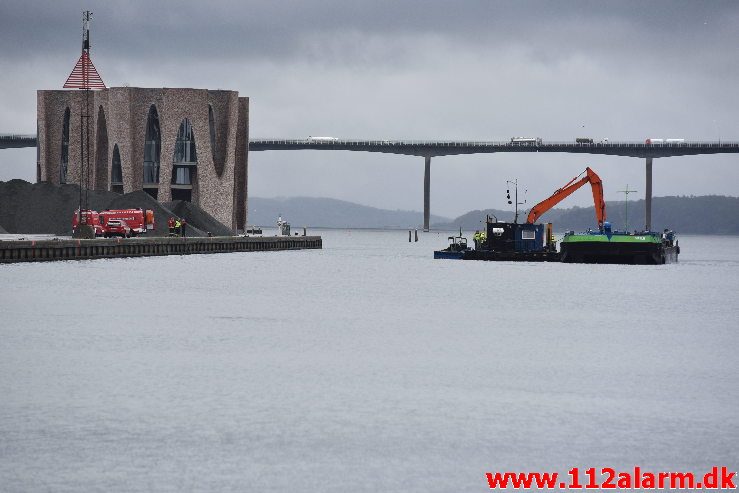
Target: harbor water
(364, 366)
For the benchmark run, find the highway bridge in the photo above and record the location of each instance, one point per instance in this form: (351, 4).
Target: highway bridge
(14, 141)
(428, 149)
(434, 148)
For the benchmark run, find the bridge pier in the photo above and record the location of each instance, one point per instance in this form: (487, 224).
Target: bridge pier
(648, 196)
(426, 192)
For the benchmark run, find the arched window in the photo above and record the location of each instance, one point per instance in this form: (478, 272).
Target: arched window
(38, 156)
(184, 148)
(64, 161)
(116, 172)
(212, 125)
(184, 163)
(152, 149)
(101, 152)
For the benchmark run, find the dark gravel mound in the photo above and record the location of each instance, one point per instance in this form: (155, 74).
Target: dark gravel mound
(2, 231)
(43, 208)
(143, 200)
(162, 213)
(197, 217)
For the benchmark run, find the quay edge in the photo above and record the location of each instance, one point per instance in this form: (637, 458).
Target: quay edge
(13, 251)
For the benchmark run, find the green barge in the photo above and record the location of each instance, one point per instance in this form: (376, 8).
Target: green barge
(529, 242)
(609, 247)
(534, 243)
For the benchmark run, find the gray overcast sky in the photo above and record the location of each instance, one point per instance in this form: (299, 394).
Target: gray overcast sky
(433, 69)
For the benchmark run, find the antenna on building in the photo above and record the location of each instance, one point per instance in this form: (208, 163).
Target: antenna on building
(84, 76)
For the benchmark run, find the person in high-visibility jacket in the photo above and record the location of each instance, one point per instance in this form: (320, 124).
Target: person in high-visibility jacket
(476, 238)
(177, 227)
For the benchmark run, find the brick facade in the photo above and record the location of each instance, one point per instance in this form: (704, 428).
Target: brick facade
(118, 116)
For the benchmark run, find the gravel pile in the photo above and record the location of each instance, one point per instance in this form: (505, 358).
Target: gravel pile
(2, 231)
(43, 208)
(197, 217)
(143, 200)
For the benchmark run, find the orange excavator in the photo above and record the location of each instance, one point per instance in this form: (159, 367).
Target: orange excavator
(595, 182)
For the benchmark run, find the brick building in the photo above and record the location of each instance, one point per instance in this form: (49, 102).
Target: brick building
(176, 144)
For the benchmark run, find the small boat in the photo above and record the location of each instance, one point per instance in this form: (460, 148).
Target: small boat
(456, 249)
(283, 227)
(253, 230)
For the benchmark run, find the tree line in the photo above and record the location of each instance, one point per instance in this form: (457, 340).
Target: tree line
(708, 214)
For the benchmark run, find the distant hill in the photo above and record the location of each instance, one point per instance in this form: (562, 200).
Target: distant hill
(46, 208)
(331, 213)
(709, 214)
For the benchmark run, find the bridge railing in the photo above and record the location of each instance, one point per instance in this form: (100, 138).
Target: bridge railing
(17, 136)
(504, 144)
(458, 143)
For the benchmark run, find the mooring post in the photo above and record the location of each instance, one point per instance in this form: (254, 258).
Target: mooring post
(416, 235)
(648, 196)
(409, 236)
(426, 192)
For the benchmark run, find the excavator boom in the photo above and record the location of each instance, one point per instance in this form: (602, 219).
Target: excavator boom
(596, 184)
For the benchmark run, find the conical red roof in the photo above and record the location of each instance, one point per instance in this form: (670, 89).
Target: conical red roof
(84, 75)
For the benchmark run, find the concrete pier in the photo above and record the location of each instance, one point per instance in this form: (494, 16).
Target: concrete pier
(648, 196)
(72, 249)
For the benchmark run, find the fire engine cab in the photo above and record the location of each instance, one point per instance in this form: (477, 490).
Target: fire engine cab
(89, 217)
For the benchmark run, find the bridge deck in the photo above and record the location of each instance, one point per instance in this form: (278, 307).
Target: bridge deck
(447, 148)
(452, 147)
(428, 149)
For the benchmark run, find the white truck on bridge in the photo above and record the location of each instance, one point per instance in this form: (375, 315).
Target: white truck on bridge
(665, 141)
(525, 140)
(322, 139)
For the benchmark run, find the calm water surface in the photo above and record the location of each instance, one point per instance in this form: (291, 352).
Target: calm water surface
(367, 366)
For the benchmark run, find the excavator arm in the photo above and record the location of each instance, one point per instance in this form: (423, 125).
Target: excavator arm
(596, 184)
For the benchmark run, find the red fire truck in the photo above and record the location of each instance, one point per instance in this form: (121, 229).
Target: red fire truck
(89, 217)
(139, 220)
